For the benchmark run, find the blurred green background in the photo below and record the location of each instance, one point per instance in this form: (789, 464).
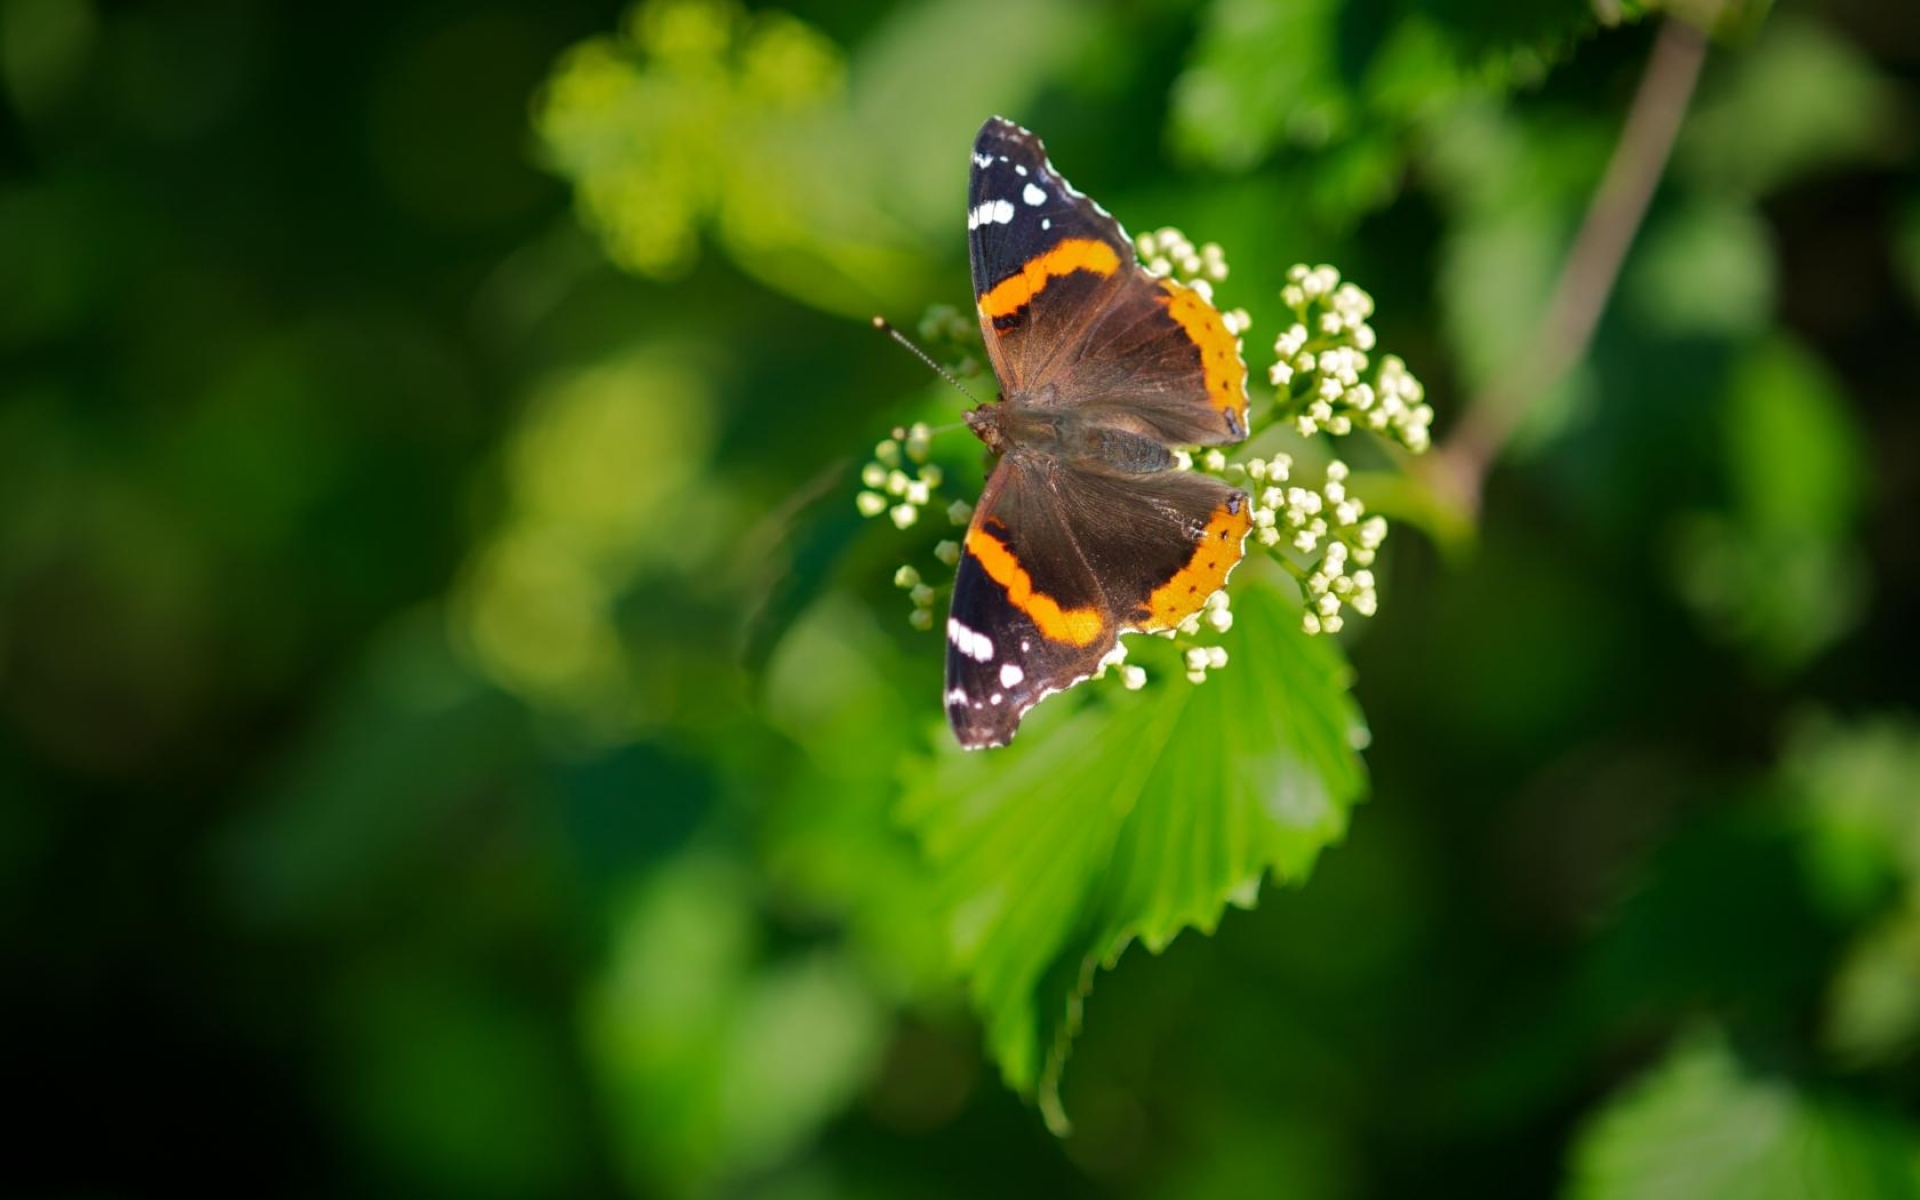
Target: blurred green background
(451, 717)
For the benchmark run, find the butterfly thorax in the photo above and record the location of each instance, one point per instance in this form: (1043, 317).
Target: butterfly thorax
(1027, 428)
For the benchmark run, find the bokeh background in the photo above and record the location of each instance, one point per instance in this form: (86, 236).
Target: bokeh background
(451, 715)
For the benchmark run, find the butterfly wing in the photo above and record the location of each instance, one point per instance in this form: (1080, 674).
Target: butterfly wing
(1058, 562)
(1031, 235)
(1069, 315)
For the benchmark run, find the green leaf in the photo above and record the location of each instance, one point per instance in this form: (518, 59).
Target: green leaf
(1134, 819)
(1703, 1128)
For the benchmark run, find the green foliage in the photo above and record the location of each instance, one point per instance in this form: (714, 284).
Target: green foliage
(1514, 189)
(1800, 102)
(1703, 1127)
(456, 738)
(1097, 828)
(1705, 270)
(716, 1066)
(1854, 789)
(629, 120)
(1266, 76)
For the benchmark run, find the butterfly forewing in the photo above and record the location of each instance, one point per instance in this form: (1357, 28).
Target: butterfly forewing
(1045, 258)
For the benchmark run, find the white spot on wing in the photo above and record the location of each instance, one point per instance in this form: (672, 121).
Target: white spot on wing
(1033, 195)
(1011, 675)
(977, 646)
(983, 160)
(1019, 170)
(993, 212)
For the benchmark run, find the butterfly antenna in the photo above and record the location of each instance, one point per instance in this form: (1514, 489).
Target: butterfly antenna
(885, 327)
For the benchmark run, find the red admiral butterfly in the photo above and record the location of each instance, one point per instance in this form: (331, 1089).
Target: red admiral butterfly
(1085, 529)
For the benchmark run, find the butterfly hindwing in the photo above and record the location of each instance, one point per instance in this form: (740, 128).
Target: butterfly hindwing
(1162, 355)
(1060, 560)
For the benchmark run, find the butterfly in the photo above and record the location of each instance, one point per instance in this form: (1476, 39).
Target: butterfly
(1086, 528)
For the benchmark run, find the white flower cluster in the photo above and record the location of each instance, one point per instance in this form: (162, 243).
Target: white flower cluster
(1323, 367)
(1202, 659)
(1332, 585)
(889, 488)
(1170, 254)
(1402, 411)
(1274, 504)
(1217, 615)
(1342, 577)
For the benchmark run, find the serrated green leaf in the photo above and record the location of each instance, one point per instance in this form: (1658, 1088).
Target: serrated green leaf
(1135, 818)
(1703, 1128)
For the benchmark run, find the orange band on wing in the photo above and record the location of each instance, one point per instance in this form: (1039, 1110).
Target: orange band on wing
(1219, 550)
(1014, 292)
(1220, 358)
(1075, 626)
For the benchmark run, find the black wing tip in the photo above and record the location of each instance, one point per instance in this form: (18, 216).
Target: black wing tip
(998, 127)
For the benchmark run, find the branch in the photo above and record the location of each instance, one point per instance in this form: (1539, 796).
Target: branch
(1580, 295)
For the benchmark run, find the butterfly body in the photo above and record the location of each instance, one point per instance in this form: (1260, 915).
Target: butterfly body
(1086, 529)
